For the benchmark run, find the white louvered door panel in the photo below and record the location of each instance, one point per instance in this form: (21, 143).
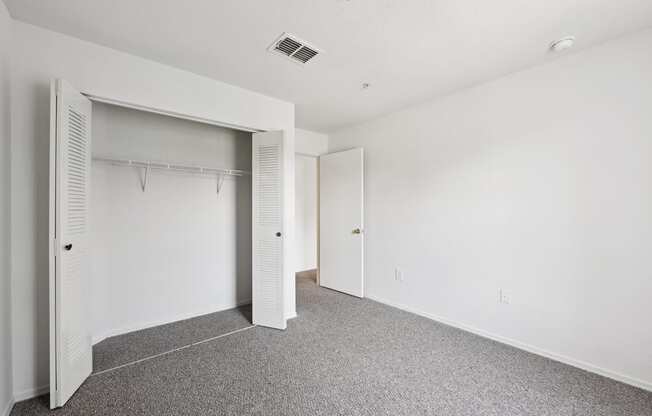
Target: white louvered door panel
(267, 267)
(70, 328)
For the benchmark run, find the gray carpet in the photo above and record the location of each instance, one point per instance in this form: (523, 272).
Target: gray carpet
(344, 356)
(115, 351)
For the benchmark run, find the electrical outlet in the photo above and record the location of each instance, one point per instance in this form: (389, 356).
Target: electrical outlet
(398, 275)
(504, 297)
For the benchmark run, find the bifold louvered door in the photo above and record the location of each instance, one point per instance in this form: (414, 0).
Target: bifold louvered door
(70, 336)
(268, 238)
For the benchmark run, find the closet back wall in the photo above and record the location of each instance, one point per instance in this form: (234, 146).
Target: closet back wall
(178, 249)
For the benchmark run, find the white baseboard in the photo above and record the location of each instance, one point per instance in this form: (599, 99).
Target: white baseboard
(8, 407)
(645, 385)
(31, 393)
(170, 319)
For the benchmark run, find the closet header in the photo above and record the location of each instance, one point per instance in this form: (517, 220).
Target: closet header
(168, 113)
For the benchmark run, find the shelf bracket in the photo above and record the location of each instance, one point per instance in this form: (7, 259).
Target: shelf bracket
(146, 172)
(220, 182)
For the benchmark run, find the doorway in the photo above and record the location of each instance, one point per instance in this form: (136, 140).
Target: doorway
(167, 245)
(306, 216)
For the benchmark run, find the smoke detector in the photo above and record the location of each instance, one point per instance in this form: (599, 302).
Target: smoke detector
(562, 44)
(293, 48)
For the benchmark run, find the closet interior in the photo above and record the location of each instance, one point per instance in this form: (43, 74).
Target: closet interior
(170, 227)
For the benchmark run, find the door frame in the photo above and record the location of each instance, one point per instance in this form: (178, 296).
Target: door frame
(52, 181)
(169, 113)
(51, 236)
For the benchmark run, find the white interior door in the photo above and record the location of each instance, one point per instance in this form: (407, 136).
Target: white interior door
(71, 360)
(268, 231)
(341, 242)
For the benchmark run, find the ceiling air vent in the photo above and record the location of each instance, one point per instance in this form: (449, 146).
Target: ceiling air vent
(294, 48)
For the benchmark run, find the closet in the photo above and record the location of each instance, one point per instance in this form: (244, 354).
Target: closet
(155, 217)
(170, 219)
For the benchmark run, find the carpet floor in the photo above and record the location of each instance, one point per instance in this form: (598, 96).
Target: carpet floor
(123, 349)
(345, 356)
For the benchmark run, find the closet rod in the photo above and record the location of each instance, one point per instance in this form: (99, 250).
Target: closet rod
(172, 166)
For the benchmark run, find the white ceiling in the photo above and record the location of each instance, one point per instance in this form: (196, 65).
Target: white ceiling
(409, 50)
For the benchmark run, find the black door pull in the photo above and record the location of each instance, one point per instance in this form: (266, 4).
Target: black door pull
(67, 247)
(278, 234)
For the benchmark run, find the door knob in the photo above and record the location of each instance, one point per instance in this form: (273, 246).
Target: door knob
(356, 231)
(278, 234)
(67, 247)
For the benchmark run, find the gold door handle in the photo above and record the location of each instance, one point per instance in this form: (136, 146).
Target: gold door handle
(356, 231)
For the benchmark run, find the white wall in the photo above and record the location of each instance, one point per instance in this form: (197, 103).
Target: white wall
(179, 249)
(43, 55)
(310, 142)
(538, 183)
(306, 187)
(6, 388)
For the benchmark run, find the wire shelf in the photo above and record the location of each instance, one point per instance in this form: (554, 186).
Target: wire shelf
(220, 173)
